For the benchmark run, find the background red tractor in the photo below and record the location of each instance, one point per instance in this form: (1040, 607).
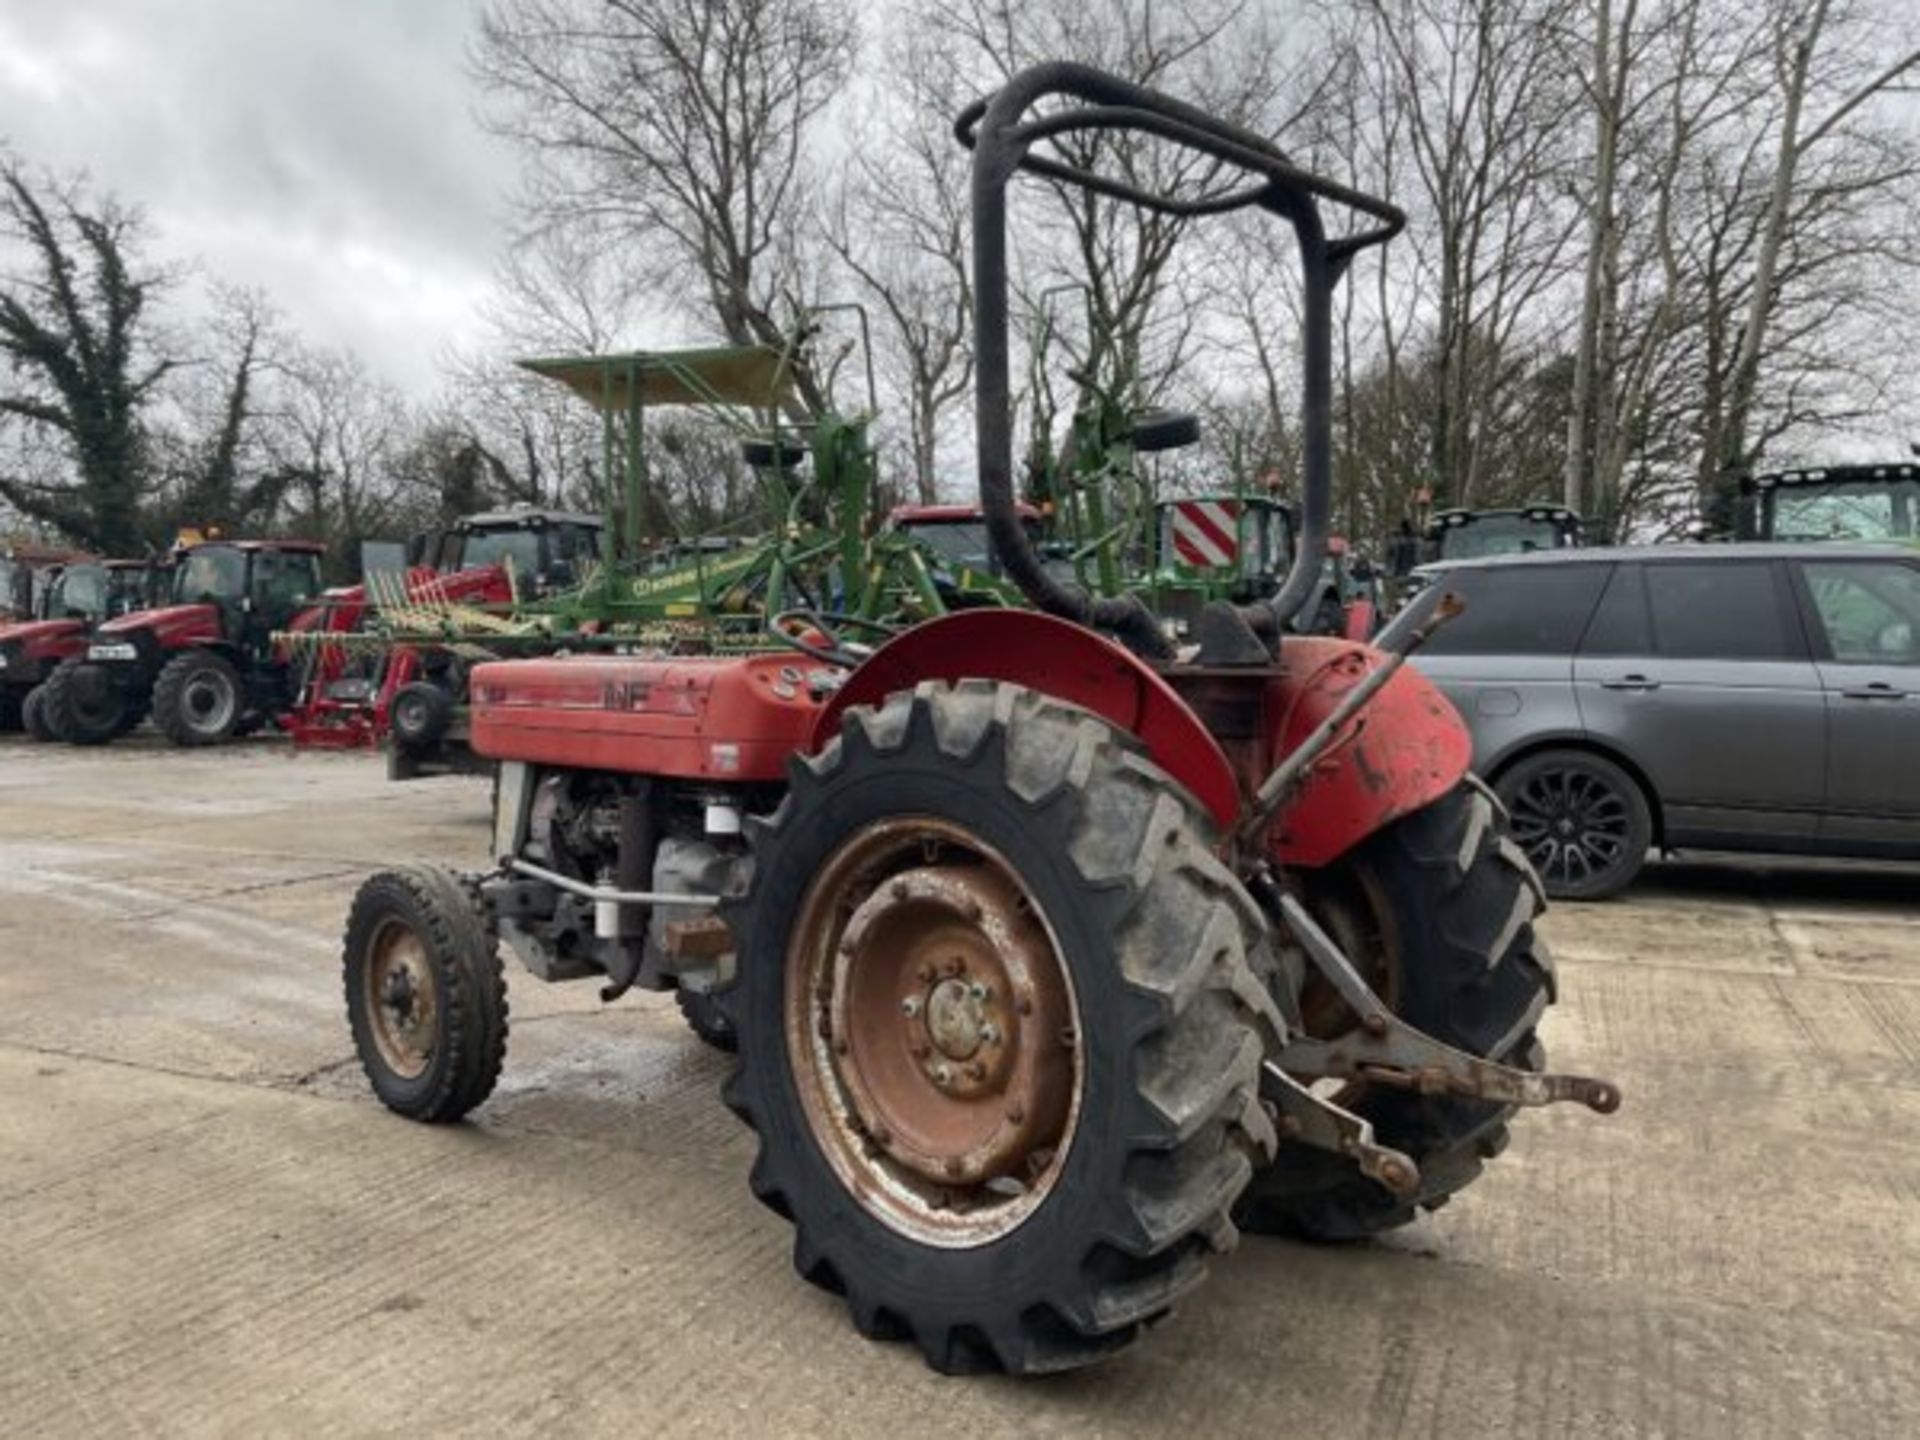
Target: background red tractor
(204, 663)
(26, 568)
(1049, 955)
(77, 597)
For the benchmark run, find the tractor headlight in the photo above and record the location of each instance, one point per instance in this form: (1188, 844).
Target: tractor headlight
(113, 650)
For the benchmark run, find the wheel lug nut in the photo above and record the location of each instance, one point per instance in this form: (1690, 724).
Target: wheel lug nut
(990, 1034)
(910, 1006)
(920, 1049)
(942, 1076)
(955, 965)
(978, 991)
(1016, 1114)
(976, 1071)
(924, 974)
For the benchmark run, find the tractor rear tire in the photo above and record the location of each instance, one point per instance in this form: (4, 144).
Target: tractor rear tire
(1437, 911)
(708, 1019)
(426, 996)
(33, 715)
(1114, 965)
(198, 699)
(83, 704)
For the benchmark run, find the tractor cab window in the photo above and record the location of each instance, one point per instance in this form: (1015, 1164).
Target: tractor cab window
(960, 544)
(519, 550)
(1497, 535)
(79, 594)
(1863, 510)
(571, 550)
(1279, 539)
(211, 573)
(16, 590)
(127, 591)
(284, 581)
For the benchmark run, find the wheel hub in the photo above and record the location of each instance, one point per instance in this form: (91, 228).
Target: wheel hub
(400, 986)
(941, 1068)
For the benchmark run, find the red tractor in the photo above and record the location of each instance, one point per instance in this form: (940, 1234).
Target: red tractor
(204, 664)
(78, 596)
(1049, 956)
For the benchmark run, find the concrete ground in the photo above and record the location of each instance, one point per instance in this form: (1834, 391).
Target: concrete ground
(207, 1225)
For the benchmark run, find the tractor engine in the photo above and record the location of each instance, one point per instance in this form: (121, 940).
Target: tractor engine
(624, 785)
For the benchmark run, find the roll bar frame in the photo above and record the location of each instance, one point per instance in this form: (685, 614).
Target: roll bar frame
(996, 129)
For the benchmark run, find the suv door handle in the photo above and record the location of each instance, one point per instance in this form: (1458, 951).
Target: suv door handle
(1877, 690)
(1630, 682)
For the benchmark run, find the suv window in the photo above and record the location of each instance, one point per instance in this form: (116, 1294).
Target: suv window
(1720, 610)
(1620, 625)
(1519, 609)
(1870, 611)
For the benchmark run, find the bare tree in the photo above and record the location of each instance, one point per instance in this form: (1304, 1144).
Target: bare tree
(1803, 35)
(677, 128)
(899, 226)
(335, 436)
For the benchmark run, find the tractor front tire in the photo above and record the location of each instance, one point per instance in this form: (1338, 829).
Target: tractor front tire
(83, 705)
(708, 1019)
(1001, 1028)
(420, 715)
(1437, 911)
(426, 996)
(33, 715)
(198, 699)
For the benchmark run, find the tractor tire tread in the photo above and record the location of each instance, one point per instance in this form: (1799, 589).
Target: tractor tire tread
(462, 947)
(1187, 948)
(1490, 980)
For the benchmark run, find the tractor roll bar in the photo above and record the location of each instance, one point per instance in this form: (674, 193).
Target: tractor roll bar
(993, 129)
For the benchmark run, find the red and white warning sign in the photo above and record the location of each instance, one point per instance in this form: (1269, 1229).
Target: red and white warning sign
(1206, 532)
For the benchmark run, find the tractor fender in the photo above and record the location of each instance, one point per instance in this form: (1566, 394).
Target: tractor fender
(1406, 749)
(1055, 657)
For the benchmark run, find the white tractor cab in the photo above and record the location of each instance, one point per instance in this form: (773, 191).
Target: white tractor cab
(1833, 502)
(547, 550)
(1476, 534)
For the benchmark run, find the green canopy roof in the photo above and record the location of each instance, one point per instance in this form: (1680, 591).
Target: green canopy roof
(755, 376)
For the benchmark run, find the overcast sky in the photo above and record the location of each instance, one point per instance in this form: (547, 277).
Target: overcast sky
(324, 151)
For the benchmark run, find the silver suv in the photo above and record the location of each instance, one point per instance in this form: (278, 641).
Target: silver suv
(1727, 697)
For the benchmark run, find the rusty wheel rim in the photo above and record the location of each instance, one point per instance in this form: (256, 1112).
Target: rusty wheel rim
(933, 1032)
(402, 1000)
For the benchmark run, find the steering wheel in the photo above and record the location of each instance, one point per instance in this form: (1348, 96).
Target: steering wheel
(797, 629)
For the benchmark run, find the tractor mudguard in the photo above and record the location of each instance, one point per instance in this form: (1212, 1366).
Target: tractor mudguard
(1405, 749)
(1057, 658)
